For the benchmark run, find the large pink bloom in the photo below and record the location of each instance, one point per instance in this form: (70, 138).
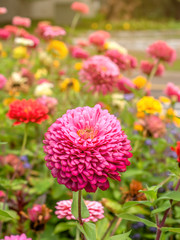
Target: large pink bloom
(3, 81)
(172, 90)
(161, 51)
(96, 210)
(100, 73)
(125, 85)
(17, 237)
(21, 21)
(86, 146)
(146, 67)
(80, 7)
(98, 38)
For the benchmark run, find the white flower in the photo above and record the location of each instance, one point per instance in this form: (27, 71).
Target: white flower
(24, 42)
(115, 46)
(44, 89)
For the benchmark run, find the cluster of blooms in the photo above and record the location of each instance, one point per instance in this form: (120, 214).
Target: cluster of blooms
(95, 209)
(17, 237)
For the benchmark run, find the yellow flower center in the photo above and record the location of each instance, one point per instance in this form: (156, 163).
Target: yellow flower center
(87, 133)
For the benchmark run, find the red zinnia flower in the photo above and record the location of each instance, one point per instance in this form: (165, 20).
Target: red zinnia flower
(27, 111)
(177, 150)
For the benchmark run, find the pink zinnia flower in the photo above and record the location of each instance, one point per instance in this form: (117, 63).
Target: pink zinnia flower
(11, 29)
(80, 7)
(21, 21)
(49, 102)
(4, 34)
(2, 196)
(118, 58)
(53, 31)
(38, 210)
(96, 210)
(161, 51)
(86, 146)
(125, 85)
(82, 43)
(78, 52)
(33, 38)
(42, 26)
(98, 38)
(155, 126)
(101, 74)
(16, 237)
(3, 81)
(3, 10)
(172, 90)
(132, 62)
(146, 67)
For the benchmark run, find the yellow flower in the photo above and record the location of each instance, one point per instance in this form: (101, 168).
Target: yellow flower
(148, 105)
(138, 127)
(8, 101)
(1, 47)
(115, 46)
(126, 26)
(40, 73)
(4, 54)
(70, 83)
(56, 63)
(20, 52)
(108, 26)
(94, 25)
(140, 82)
(164, 100)
(78, 66)
(58, 49)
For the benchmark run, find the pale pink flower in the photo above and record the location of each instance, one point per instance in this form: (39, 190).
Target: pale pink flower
(100, 74)
(42, 26)
(53, 31)
(43, 80)
(98, 38)
(146, 67)
(4, 34)
(82, 43)
(16, 237)
(161, 51)
(3, 81)
(172, 90)
(155, 126)
(125, 85)
(85, 147)
(21, 21)
(78, 52)
(96, 210)
(49, 102)
(3, 10)
(80, 7)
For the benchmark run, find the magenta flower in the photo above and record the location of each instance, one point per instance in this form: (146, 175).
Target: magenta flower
(125, 85)
(78, 52)
(4, 34)
(172, 90)
(132, 62)
(146, 67)
(96, 210)
(100, 73)
(98, 38)
(86, 146)
(161, 51)
(17, 237)
(33, 38)
(21, 21)
(3, 81)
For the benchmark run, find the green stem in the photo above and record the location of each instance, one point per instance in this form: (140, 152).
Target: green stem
(79, 212)
(153, 71)
(109, 228)
(77, 234)
(24, 140)
(74, 22)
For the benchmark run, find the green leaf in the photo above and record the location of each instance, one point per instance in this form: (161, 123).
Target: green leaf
(112, 205)
(134, 203)
(171, 195)
(169, 229)
(151, 193)
(64, 226)
(162, 208)
(124, 236)
(1, 143)
(88, 229)
(16, 184)
(41, 185)
(4, 216)
(134, 218)
(74, 207)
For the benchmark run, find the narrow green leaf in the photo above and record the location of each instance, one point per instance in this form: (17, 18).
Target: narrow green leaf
(134, 218)
(64, 226)
(124, 236)
(88, 229)
(134, 203)
(163, 208)
(171, 195)
(74, 207)
(5, 216)
(169, 229)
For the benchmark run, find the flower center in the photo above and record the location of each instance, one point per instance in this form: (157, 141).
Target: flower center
(87, 133)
